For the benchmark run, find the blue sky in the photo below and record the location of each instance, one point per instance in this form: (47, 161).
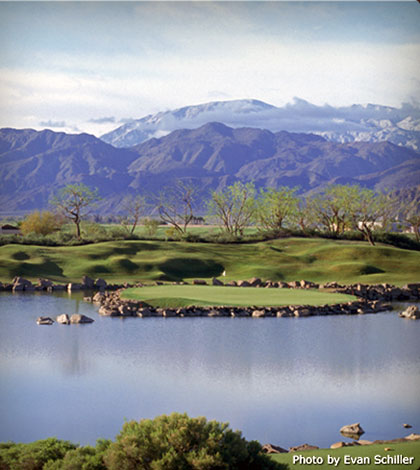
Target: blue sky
(86, 66)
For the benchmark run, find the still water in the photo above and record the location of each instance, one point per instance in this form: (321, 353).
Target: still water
(286, 381)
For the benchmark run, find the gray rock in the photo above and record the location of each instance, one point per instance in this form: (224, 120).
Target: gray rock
(254, 282)
(244, 284)
(199, 282)
(44, 321)
(100, 284)
(413, 437)
(88, 282)
(106, 311)
(63, 319)
(258, 313)
(73, 286)
(216, 282)
(77, 318)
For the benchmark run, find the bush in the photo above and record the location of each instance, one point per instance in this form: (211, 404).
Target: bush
(42, 223)
(33, 456)
(82, 458)
(150, 226)
(177, 442)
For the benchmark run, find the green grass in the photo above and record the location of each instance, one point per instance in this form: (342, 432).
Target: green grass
(181, 296)
(316, 259)
(409, 449)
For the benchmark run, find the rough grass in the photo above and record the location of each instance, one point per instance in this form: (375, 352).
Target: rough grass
(318, 260)
(181, 296)
(409, 449)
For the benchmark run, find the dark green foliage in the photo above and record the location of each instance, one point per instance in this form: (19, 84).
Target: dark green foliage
(177, 442)
(33, 456)
(174, 442)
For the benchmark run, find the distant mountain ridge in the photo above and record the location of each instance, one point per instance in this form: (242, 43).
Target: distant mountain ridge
(35, 164)
(370, 123)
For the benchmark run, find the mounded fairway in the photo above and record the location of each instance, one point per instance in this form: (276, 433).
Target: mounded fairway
(181, 296)
(287, 259)
(408, 449)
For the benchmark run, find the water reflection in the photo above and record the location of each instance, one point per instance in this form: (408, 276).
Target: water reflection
(278, 380)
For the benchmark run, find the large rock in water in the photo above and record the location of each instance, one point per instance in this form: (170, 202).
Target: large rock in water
(78, 318)
(352, 430)
(44, 321)
(412, 312)
(63, 319)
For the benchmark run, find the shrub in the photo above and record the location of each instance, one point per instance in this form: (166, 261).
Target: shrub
(33, 456)
(42, 223)
(150, 226)
(177, 442)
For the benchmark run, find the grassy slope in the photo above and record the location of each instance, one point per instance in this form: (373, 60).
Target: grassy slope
(409, 449)
(176, 296)
(287, 259)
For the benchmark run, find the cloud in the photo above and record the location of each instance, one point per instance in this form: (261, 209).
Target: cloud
(50, 123)
(103, 120)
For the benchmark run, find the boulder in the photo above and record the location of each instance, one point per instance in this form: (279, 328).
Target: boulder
(413, 437)
(364, 442)
(351, 430)
(303, 447)
(63, 319)
(258, 313)
(244, 284)
(254, 282)
(216, 282)
(73, 286)
(272, 449)
(106, 311)
(44, 284)
(88, 282)
(98, 297)
(77, 318)
(44, 321)
(302, 312)
(19, 284)
(232, 283)
(412, 312)
(199, 282)
(100, 284)
(338, 445)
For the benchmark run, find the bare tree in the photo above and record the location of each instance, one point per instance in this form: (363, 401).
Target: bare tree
(73, 201)
(176, 205)
(134, 208)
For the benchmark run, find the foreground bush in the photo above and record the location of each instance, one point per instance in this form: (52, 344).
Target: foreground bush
(177, 442)
(174, 442)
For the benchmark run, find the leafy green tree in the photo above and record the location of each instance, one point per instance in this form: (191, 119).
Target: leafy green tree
(73, 201)
(235, 207)
(177, 442)
(277, 207)
(41, 222)
(411, 217)
(332, 208)
(370, 210)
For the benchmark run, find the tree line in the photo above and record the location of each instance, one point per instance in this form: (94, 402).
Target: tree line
(275, 211)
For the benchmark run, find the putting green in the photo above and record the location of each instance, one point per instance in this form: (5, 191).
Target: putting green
(181, 296)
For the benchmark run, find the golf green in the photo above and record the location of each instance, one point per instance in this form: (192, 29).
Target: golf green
(183, 295)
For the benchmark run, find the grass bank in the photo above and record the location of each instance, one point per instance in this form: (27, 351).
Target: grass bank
(316, 259)
(182, 296)
(368, 453)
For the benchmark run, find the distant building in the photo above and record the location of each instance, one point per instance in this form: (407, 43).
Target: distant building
(8, 229)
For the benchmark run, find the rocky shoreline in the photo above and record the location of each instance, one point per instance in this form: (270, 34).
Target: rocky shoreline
(371, 298)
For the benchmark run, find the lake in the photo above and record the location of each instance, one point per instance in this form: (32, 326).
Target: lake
(280, 380)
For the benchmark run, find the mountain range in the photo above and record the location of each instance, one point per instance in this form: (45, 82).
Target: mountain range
(35, 164)
(367, 123)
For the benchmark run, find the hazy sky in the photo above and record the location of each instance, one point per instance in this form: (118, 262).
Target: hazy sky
(88, 66)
